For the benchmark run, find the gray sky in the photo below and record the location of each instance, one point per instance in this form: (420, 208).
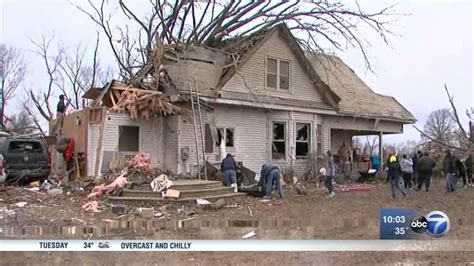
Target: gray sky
(434, 47)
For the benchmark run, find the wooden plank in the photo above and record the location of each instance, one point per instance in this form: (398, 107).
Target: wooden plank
(139, 90)
(112, 99)
(98, 160)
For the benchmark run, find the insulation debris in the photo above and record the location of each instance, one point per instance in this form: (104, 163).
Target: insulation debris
(140, 103)
(91, 206)
(141, 164)
(118, 184)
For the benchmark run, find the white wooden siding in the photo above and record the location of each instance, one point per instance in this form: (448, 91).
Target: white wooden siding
(338, 136)
(93, 142)
(151, 136)
(171, 143)
(250, 141)
(253, 71)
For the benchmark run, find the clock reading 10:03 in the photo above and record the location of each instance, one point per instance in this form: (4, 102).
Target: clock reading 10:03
(393, 219)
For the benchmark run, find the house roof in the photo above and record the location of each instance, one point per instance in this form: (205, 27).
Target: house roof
(338, 83)
(357, 99)
(245, 47)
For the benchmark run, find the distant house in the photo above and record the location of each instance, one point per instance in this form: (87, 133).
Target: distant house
(271, 103)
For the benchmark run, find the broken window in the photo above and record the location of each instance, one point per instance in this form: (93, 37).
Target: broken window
(227, 134)
(278, 74)
(319, 139)
(129, 137)
(303, 136)
(278, 141)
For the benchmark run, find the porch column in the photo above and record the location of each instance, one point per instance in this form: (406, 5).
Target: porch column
(381, 150)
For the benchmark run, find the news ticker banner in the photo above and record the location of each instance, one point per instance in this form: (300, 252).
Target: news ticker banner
(236, 245)
(405, 223)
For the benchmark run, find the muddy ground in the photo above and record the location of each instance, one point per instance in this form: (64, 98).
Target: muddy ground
(347, 216)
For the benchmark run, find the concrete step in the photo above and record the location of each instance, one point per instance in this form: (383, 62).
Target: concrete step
(184, 185)
(146, 199)
(190, 193)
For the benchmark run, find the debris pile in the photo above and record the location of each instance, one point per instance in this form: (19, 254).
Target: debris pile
(141, 165)
(112, 188)
(141, 103)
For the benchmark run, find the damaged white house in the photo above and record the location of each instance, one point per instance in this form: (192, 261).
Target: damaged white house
(264, 100)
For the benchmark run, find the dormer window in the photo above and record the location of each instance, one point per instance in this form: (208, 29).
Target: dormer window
(278, 74)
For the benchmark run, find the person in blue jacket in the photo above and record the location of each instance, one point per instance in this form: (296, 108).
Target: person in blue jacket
(269, 175)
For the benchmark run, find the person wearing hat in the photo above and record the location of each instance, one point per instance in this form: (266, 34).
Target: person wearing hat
(394, 172)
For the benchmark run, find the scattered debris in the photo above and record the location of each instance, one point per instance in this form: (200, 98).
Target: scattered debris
(161, 183)
(55, 191)
(33, 189)
(172, 193)
(21, 204)
(264, 200)
(298, 186)
(147, 213)
(250, 210)
(233, 205)
(141, 164)
(219, 204)
(91, 206)
(249, 235)
(203, 202)
(35, 184)
(118, 209)
(158, 214)
(116, 185)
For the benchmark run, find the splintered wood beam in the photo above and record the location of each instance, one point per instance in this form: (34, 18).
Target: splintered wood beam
(112, 98)
(138, 90)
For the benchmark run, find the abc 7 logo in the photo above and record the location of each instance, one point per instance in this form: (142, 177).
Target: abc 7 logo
(419, 224)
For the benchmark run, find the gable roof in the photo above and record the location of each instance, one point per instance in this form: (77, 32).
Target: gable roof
(245, 48)
(357, 99)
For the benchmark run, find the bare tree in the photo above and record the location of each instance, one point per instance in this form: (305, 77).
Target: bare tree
(67, 73)
(21, 123)
(449, 126)
(13, 72)
(441, 126)
(206, 23)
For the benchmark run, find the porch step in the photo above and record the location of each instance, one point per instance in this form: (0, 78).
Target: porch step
(147, 199)
(183, 185)
(190, 193)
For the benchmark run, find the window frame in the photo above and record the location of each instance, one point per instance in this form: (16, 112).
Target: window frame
(308, 141)
(319, 138)
(225, 136)
(278, 73)
(285, 139)
(120, 133)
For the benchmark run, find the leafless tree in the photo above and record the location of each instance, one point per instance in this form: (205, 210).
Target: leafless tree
(183, 23)
(21, 123)
(441, 126)
(446, 126)
(67, 73)
(13, 71)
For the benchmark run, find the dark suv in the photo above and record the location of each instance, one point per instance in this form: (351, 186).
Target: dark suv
(26, 159)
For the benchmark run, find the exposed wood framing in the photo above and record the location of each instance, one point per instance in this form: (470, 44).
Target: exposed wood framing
(98, 162)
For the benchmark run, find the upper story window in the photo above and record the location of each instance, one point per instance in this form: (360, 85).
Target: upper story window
(278, 74)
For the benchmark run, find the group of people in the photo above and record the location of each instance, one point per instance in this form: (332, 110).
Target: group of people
(415, 171)
(269, 176)
(418, 170)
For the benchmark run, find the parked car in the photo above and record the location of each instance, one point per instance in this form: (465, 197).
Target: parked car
(25, 160)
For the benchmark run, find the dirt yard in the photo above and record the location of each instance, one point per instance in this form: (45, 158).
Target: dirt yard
(347, 216)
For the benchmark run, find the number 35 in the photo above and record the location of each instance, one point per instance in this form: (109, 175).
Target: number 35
(399, 230)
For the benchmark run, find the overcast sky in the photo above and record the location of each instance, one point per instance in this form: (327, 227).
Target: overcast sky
(434, 47)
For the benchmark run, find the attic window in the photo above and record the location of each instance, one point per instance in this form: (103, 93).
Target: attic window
(277, 74)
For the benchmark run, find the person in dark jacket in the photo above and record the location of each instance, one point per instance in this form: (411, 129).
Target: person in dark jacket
(425, 170)
(450, 171)
(469, 170)
(415, 159)
(269, 175)
(462, 171)
(229, 167)
(394, 172)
